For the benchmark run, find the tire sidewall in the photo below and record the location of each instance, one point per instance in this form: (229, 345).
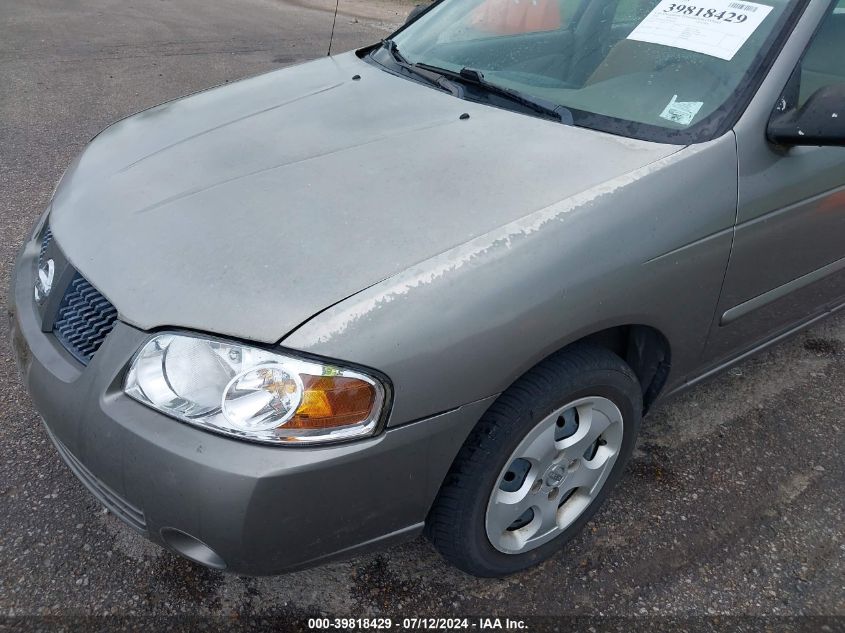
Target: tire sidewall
(614, 385)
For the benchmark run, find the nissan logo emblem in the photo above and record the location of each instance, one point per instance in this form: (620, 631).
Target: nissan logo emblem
(44, 283)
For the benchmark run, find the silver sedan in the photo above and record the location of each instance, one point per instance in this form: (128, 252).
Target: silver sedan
(433, 285)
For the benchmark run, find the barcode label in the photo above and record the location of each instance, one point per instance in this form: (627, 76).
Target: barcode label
(751, 8)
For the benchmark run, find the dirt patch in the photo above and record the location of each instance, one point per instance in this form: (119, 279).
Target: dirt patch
(823, 346)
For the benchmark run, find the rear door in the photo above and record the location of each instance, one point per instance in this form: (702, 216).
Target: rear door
(788, 261)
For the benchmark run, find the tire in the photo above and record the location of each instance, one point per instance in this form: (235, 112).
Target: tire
(488, 480)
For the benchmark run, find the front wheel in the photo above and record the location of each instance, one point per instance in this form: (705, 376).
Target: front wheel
(539, 463)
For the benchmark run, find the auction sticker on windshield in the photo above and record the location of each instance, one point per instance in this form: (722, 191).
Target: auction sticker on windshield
(718, 28)
(682, 112)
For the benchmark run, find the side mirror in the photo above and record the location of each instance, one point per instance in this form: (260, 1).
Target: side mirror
(415, 13)
(821, 122)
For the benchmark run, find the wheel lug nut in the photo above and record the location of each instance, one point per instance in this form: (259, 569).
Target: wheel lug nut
(552, 494)
(573, 464)
(537, 485)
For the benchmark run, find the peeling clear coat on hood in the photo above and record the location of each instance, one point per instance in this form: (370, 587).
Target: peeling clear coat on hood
(647, 247)
(246, 209)
(338, 319)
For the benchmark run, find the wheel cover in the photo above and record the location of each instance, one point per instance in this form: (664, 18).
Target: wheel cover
(554, 474)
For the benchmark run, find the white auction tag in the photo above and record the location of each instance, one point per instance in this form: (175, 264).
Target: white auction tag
(718, 28)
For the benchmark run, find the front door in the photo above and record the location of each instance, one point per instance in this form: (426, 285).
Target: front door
(788, 260)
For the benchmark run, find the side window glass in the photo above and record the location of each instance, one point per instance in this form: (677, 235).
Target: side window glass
(824, 62)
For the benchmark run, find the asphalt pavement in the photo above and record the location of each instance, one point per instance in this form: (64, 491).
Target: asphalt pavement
(732, 512)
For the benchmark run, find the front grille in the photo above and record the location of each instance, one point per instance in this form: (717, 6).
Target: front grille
(84, 320)
(120, 507)
(45, 242)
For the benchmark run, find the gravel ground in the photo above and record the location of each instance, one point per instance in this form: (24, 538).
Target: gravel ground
(731, 516)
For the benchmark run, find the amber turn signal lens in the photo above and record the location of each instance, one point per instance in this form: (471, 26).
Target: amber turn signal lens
(332, 401)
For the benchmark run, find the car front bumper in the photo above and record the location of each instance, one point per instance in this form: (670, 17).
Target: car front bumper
(226, 503)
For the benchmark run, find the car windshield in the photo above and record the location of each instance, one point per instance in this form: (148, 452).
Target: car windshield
(663, 71)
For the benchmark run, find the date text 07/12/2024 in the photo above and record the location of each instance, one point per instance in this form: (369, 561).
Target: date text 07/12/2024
(387, 624)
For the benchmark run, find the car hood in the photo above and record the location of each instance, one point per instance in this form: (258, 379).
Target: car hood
(246, 209)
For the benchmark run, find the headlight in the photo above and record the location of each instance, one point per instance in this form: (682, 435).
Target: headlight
(254, 393)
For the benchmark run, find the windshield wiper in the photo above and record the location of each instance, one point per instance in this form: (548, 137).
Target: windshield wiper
(476, 78)
(432, 76)
(438, 77)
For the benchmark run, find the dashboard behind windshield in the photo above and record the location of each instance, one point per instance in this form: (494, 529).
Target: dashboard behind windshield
(658, 70)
